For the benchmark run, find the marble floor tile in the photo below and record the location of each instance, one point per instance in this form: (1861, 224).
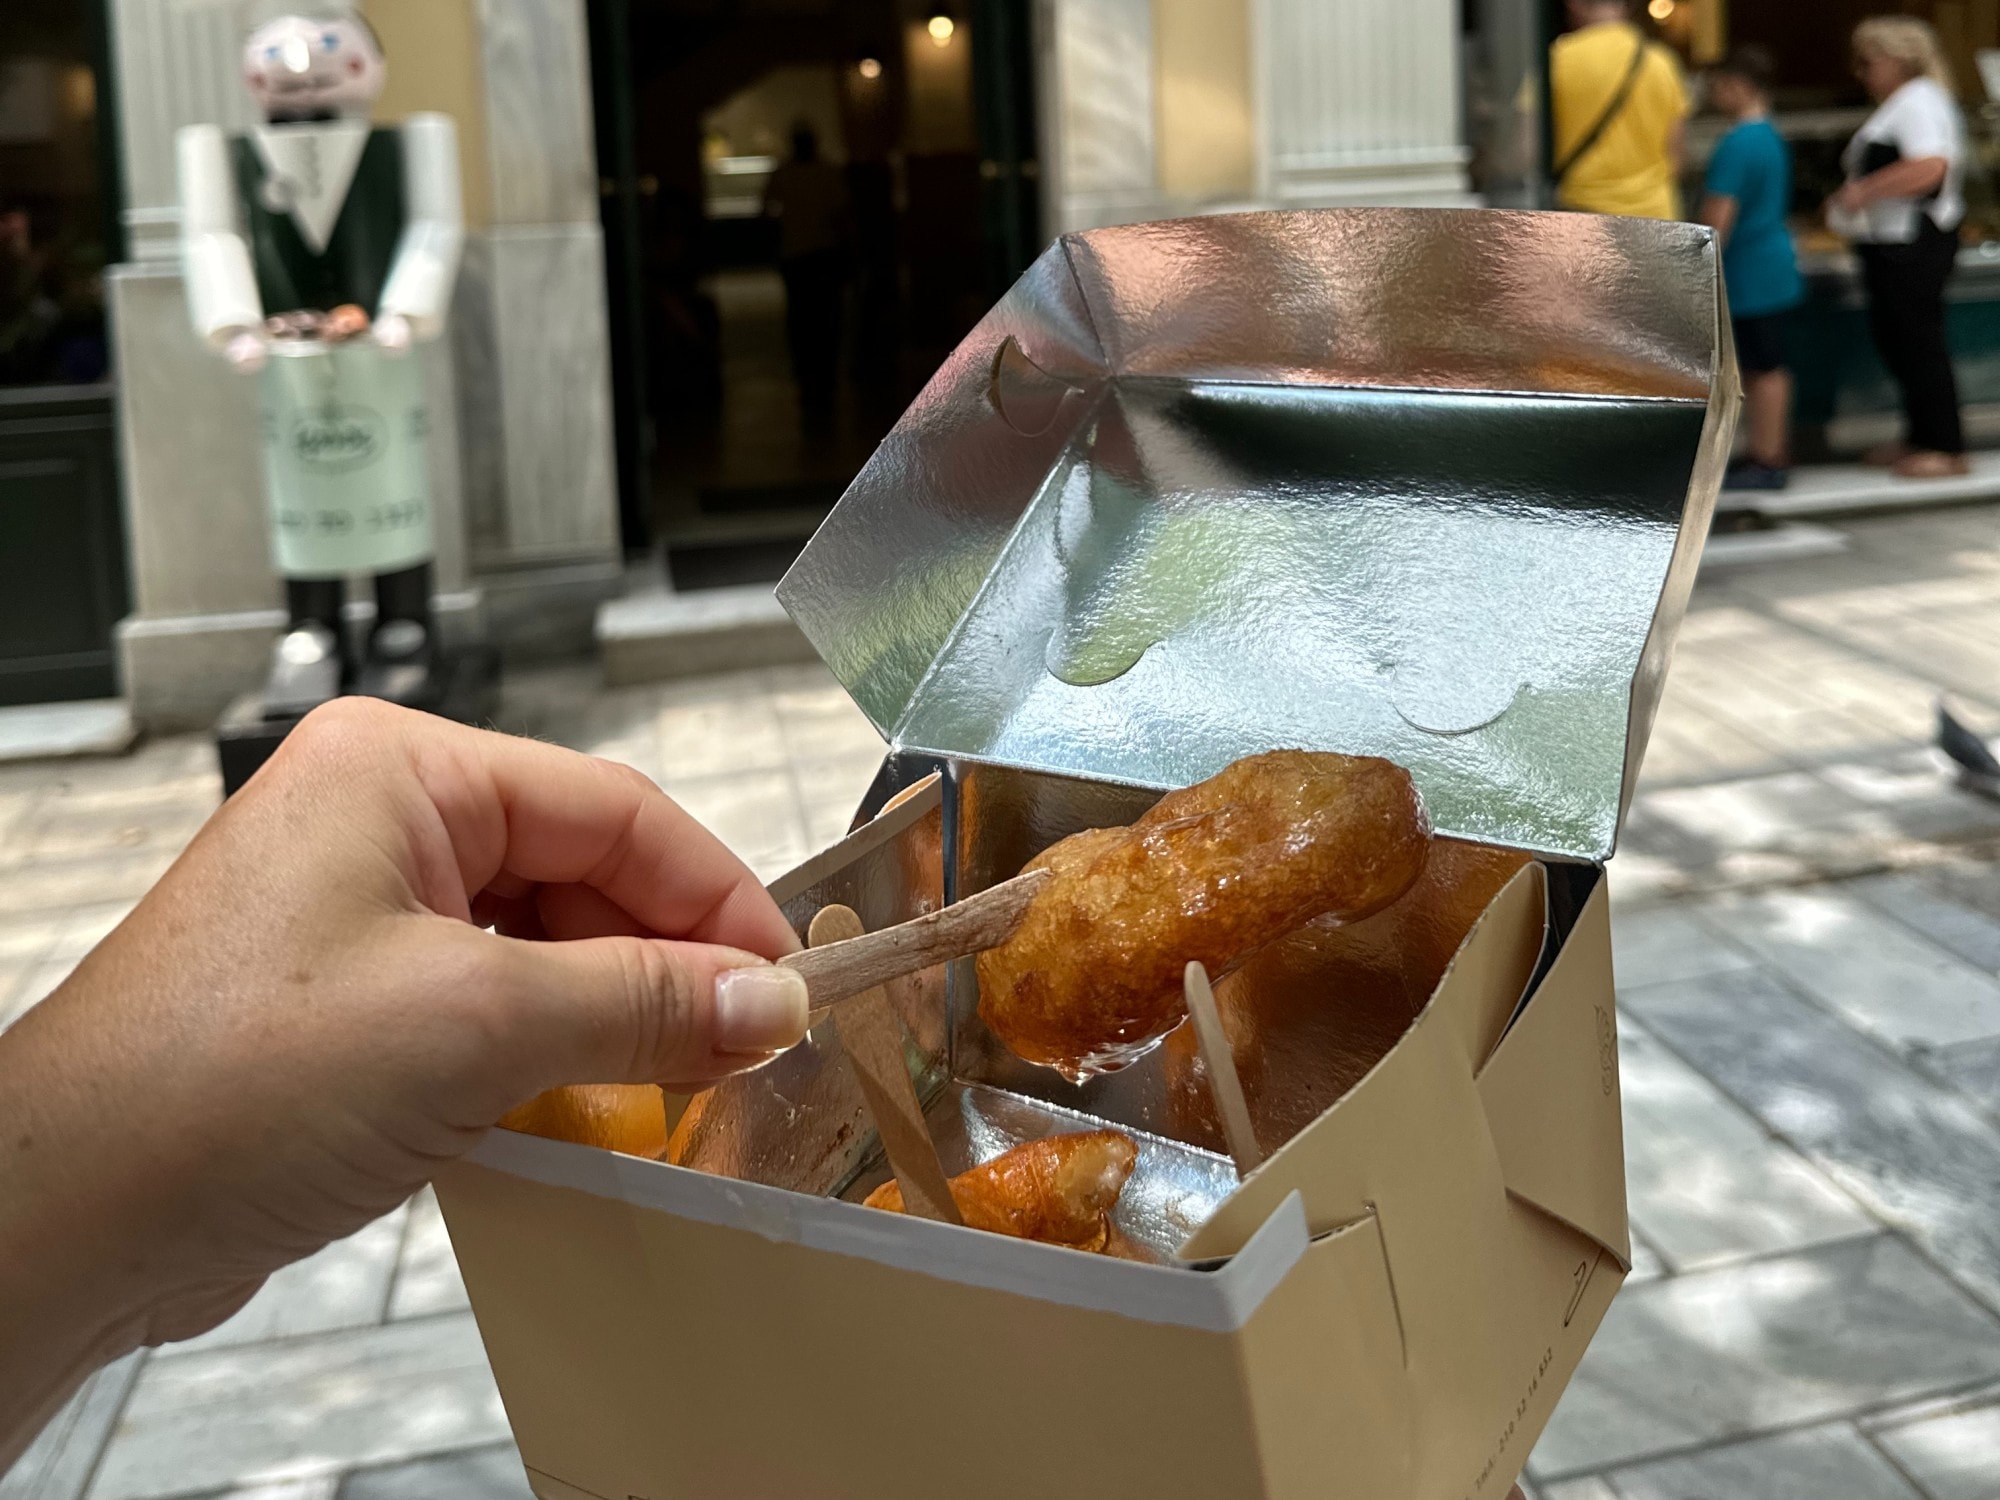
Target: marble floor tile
(1659, 943)
(1819, 1463)
(1589, 1488)
(822, 723)
(318, 1487)
(1869, 967)
(301, 1408)
(1646, 1261)
(830, 791)
(1919, 904)
(1954, 1454)
(719, 737)
(1815, 1336)
(484, 1474)
(59, 1462)
(1924, 1158)
(427, 1279)
(346, 1285)
(757, 815)
(1974, 1068)
(1744, 814)
(1706, 1183)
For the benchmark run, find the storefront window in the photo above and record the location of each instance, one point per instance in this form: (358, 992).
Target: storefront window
(53, 217)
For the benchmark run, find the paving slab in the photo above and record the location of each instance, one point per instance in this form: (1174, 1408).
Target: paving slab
(1871, 968)
(1706, 1183)
(345, 1285)
(301, 1409)
(1689, 1361)
(1919, 903)
(59, 1463)
(1820, 1463)
(427, 1278)
(1954, 1454)
(1656, 944)
(1923, 1158)
(484, 1474)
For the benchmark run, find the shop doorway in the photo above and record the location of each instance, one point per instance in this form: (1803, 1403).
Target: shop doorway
(806, 206)
(62, 552)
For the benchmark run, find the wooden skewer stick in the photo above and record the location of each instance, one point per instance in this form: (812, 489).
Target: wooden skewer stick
(1220, 1060)
(872, 1035)
(859, 963)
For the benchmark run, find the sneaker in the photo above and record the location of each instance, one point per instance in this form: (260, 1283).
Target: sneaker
(1756, 476)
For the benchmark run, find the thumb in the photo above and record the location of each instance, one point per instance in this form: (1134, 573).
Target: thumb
(645, 1010)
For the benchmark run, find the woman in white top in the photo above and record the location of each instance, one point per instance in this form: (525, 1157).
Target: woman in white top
(1901, 206)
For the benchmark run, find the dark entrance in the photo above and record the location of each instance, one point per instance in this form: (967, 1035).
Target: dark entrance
(62, 559)
(807, 204)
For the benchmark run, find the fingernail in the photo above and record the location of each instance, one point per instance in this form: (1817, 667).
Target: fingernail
(759, 1010)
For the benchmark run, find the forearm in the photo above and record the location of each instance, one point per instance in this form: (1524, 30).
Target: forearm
(1901, 179)
(61, 1313)
(1718, 212)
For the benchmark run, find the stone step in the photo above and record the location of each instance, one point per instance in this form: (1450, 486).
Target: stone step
(653, 633)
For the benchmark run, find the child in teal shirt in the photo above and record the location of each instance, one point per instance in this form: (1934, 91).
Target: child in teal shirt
(1748, 195)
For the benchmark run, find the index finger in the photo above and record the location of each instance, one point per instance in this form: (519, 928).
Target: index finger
(551, 816)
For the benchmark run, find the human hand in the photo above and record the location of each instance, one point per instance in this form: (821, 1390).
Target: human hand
(1849, 198)
(245, 351)
(393, 333)
(304, 1020)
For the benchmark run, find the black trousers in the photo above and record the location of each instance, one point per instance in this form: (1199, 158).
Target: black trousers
(1906, 316)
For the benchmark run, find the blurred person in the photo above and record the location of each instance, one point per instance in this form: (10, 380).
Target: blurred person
(29, 313)
(1901, 206)
(1746, 195)
(1619, 115)
(808, 197)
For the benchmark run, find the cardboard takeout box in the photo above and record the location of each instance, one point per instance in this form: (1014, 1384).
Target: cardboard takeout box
(1423, 484)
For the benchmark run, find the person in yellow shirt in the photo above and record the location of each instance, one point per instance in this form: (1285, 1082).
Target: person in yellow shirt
(1619, 111)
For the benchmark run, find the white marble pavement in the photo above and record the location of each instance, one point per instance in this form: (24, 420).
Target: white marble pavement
(1807, 923)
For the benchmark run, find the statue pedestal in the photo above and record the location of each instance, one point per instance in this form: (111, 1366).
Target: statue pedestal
(245, 738)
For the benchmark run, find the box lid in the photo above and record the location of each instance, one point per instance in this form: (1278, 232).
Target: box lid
(1426, 484)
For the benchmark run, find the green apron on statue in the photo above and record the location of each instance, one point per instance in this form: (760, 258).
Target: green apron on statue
(344, 459)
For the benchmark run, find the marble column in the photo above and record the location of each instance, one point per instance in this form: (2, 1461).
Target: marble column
(1359, 102)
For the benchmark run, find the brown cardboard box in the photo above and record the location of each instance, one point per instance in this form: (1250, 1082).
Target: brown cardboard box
(1423, 484)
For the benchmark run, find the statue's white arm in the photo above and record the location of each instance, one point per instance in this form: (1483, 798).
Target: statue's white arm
(215, 262)
(426, 264)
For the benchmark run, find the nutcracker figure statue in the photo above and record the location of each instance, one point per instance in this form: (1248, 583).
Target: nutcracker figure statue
(316, 248)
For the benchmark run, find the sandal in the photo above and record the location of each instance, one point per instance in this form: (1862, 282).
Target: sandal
(1926, 464)
(1887, 455)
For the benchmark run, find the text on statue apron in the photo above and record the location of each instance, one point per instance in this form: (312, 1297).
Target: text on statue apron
(344, 453)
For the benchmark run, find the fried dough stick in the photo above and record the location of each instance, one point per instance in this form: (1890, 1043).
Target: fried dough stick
(1060, 1190)
(1092, 976)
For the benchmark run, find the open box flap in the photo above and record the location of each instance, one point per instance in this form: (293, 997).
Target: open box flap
(1412, 483)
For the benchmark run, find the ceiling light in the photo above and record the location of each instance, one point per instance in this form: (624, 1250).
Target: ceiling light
(941, 26)
(1659, 10)
(869, 67)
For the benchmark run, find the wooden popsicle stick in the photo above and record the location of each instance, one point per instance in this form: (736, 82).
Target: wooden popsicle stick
(857, 964)
(1220, 1060)
(872, 1036)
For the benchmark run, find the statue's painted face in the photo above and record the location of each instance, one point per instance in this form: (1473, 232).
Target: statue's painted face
(298, 66)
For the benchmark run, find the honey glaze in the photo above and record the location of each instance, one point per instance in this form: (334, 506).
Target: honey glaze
(1091, 980)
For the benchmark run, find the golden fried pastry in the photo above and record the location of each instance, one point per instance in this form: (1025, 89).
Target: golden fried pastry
(627, 1117)
(1059, 1190)
(1092, 976)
